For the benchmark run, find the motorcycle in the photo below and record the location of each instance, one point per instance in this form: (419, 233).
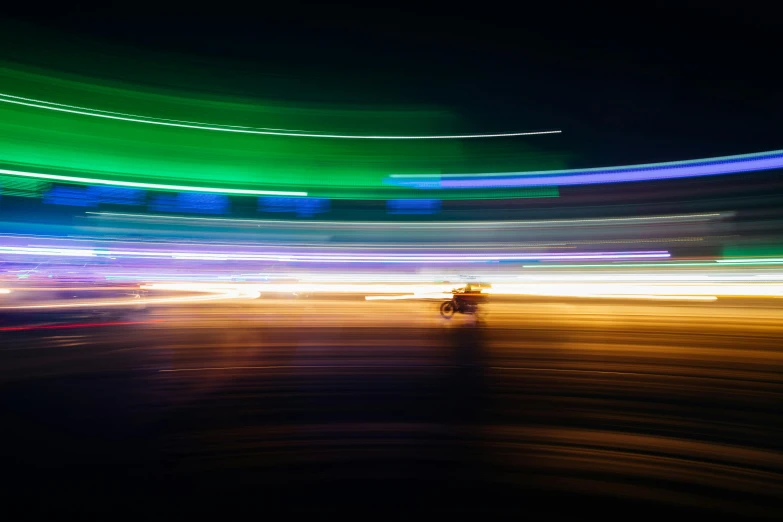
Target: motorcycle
(464, 301)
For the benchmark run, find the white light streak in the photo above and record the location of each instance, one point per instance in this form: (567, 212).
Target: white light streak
(461, 225)
(84, 111)
(153, 186)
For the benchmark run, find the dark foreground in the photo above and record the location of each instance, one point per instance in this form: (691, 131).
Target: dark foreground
(578, 409)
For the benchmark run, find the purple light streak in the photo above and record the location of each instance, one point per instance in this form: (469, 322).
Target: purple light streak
(713, 167)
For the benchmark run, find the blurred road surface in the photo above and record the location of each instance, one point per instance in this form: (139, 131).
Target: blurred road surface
(545, 406)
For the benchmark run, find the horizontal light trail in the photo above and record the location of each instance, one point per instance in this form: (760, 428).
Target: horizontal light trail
(151, 186)
(411, 296)
(295, 282)
(129, 302)
(675, 287)
(305, 367)
(662, 297)
(347, 257)
(307, 288)
(134, 118)
(650, 278)
(665, 264)
(614, 288)
(753, 261)
(460, 225)
(588, 296)
(662, 264)
(68, 288)
(665, 164)
(443, 291)
(647, 172)
(73, 325)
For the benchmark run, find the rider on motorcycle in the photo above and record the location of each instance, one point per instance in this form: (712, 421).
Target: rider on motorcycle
(470, 293)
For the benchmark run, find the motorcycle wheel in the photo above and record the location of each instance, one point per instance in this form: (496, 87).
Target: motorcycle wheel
(447, 309)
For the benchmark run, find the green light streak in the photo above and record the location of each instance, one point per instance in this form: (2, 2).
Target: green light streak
(767, 261)
(22, 187)
(753, 251)
(55, 143)
(153, 186)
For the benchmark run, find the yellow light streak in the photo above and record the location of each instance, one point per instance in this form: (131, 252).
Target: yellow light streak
(690, 289)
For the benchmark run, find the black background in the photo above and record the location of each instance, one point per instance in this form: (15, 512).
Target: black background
(624, 85)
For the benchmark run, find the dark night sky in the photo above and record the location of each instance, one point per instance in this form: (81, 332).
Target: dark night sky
(624, 86)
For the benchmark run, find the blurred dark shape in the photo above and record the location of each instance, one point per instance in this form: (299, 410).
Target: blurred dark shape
(70, 196)
(301, 207)
(93, 195)
(413, 206)
(575, 403)
(467, 396)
